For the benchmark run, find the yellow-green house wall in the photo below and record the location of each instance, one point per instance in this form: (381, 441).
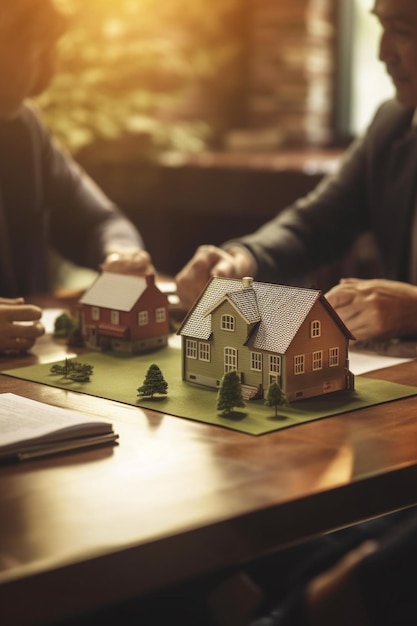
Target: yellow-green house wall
(309, 384)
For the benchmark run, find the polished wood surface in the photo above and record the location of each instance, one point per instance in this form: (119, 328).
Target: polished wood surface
(178, 499)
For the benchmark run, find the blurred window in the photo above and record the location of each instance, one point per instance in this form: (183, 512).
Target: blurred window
(369, 83)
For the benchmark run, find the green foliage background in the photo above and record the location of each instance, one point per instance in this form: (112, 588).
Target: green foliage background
(161, 71)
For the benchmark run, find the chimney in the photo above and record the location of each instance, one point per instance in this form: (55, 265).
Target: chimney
(247, 282)
(150, 279)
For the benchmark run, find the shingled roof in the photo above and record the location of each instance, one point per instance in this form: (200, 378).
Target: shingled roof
(277, 311)
(115, 291)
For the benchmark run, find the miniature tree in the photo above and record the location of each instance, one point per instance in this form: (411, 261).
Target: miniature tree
(275, 397)
(81, 373)
(64, 326)
(154, 382)
(230, 393)
(71, 369)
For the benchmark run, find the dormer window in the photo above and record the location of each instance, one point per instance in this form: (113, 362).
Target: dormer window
(315, 328)
(228, 322)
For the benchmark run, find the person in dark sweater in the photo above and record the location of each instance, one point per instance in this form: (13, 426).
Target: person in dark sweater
(375, 190)
(46, 199)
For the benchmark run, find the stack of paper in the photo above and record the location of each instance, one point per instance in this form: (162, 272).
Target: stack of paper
(30, 429)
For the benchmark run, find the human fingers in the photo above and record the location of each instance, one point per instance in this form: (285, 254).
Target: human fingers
(16, 345)
(11, 301)
(137, 262)
(22, 313)
(14, 318)
(18, 337)
(225, 268)
(193, 277)
(28, 331)
(236, 262)
(341, 295)
(350, 280)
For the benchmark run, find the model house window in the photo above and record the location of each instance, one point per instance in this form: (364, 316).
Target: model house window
(333, 357)
(315, 328)
(191, 348)
(143, 318)
(95, 313)
(275, 363)
(115, 317)
(230, 359)
(273, 378)
(160, 314)
(317, 360)
(256, 361)
(299, 364)
(228, 322)
(204, 351)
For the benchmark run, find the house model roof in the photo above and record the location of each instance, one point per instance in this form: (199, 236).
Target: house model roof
(119, 292)
(277, 311)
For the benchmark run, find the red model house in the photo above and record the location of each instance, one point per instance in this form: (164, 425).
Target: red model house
(124, 313)
(267, 333)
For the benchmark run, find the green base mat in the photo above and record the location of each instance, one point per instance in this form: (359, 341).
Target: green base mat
(117, 377)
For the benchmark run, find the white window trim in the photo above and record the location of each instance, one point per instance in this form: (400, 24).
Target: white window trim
(315, 329)
(256, 359)
(160, 314)
(334, 356)
(143, 318)
(275, 364)
(115, 318)
(299, 364)
(227, 322)
(204, 351)
(230, 359)
(317, 360)
(191, 349)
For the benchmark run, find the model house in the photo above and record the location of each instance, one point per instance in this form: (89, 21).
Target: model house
(125, 313)
(267, 333)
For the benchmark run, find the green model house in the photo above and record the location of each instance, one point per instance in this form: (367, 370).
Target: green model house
(267, 333)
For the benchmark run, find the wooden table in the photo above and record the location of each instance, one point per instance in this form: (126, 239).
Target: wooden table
(178, 499)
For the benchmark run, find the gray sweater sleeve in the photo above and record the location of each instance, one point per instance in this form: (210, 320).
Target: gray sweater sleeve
(84, 223)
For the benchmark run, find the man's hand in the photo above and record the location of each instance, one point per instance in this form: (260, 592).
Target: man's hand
(137, 262)
(376, 308)
(208, 261)
(19, 325)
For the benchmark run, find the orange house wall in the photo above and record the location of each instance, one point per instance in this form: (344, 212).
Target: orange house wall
(331, 336)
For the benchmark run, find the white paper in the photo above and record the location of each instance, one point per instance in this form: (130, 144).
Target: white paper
(363, 362)
(22, 419)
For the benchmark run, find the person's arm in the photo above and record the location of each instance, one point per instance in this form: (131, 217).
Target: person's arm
(85, 225)
(20, 325)
(313, 231)
(317, 229)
